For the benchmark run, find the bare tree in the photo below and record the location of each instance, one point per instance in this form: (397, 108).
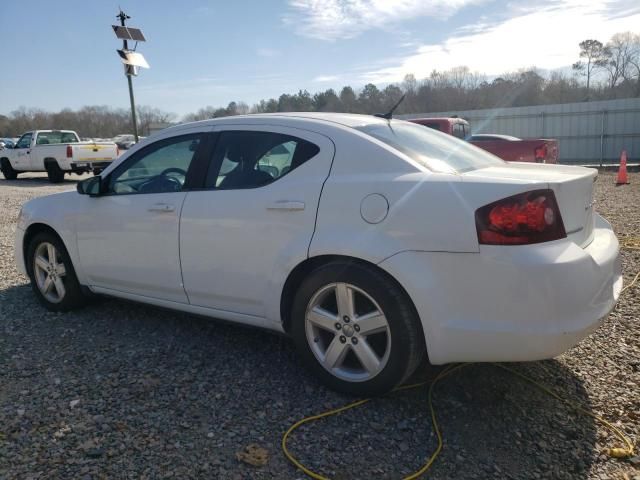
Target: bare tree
(459, 77)
(617, 53)
(632, 72)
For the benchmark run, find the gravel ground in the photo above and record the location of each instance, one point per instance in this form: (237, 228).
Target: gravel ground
(120, 390)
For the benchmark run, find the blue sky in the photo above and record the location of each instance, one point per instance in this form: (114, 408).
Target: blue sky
(209, 52)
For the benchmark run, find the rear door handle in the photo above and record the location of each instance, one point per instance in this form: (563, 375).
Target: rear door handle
(286, 205)
(162, 208)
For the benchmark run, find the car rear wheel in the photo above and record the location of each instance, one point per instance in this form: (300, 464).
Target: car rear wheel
(53, 278)
(7, 170)
(356, 329)
(54, 172)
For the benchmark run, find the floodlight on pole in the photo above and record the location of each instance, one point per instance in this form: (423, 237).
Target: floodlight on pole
(131, 59)
(135, 59)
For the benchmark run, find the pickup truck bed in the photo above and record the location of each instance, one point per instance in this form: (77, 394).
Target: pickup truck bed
(513, 149)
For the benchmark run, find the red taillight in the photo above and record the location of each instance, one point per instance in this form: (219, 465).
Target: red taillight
(117, 151)
(69, 151)
(530, 217)
(540, 153)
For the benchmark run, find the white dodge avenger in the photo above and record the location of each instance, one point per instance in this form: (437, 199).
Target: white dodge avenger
(371, 242)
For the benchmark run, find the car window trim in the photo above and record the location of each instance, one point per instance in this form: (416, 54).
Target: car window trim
(148, 149)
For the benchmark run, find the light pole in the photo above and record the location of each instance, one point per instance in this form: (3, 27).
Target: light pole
(132, 60)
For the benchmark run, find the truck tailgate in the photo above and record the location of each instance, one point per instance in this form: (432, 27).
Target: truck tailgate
(95, 152)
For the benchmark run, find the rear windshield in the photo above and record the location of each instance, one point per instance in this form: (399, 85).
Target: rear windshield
(435, 150)
(47, 138)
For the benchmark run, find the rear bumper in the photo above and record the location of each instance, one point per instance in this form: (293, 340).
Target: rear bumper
(82, 167)
(514, 303)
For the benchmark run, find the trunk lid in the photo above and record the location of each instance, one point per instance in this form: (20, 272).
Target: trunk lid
(572, 186)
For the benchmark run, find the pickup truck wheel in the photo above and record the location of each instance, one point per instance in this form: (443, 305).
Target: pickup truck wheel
(53, 278)
(54, 172)
(7, 170)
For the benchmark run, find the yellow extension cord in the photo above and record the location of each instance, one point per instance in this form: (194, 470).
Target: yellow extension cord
(630, 243)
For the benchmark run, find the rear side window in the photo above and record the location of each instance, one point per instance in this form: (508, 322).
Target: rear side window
(47, 138)
(253, 159)
(436, 151)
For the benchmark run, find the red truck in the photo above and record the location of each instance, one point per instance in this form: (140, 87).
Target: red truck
(512, 149)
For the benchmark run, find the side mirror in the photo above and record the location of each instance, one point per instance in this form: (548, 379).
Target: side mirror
(91, 186)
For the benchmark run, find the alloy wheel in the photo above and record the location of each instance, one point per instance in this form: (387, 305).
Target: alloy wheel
(49, 272)
(348, 332)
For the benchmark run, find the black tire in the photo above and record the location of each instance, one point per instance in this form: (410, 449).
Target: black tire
(7, 170)
(407, 341)
(73, 297)
(54, 172)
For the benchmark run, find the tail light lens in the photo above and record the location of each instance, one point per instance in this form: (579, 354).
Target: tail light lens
(540, 153)
(523, 219)
(69, 151)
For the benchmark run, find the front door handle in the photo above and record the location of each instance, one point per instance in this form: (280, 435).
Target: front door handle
(162, 208)
(286, 205)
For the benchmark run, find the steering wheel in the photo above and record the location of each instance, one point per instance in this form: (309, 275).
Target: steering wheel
(169, 170)
(164, 182)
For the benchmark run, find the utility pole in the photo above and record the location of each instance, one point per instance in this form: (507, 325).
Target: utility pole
(129, 71)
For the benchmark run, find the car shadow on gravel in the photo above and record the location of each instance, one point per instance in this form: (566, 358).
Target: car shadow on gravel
(123, 390)
(39, 181)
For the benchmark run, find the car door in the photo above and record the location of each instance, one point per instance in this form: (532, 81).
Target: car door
(22, 152)
(254, 219)
(128, 236)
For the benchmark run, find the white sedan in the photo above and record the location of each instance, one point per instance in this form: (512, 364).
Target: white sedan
(370, 242)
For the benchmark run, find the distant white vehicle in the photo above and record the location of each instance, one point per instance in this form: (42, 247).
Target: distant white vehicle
(371, 242)
(56, 152)
(126, 141)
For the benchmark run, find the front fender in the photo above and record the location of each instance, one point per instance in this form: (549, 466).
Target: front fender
(56, 212)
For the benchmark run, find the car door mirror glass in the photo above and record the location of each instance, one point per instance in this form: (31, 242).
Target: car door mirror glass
(91, 186)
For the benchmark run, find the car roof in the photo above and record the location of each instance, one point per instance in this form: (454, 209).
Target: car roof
(337, 119)
(51, 130)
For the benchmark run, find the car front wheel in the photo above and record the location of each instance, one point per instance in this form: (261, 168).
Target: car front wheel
(356, 329)
(53, 278)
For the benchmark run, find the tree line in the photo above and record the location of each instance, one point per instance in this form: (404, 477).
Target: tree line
(96, 121)
(603, 71)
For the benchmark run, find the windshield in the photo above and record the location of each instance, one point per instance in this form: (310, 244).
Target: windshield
(434, 150)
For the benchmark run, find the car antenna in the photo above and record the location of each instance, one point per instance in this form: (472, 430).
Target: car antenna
(389, 114)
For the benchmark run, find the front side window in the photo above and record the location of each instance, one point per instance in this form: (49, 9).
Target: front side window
(253, 159)
(25, 141)
(160, 168)
(436, 151)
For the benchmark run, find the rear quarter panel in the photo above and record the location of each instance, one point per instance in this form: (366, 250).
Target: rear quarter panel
(427, 211)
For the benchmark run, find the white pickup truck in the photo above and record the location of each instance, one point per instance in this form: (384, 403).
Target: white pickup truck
(56, 152)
